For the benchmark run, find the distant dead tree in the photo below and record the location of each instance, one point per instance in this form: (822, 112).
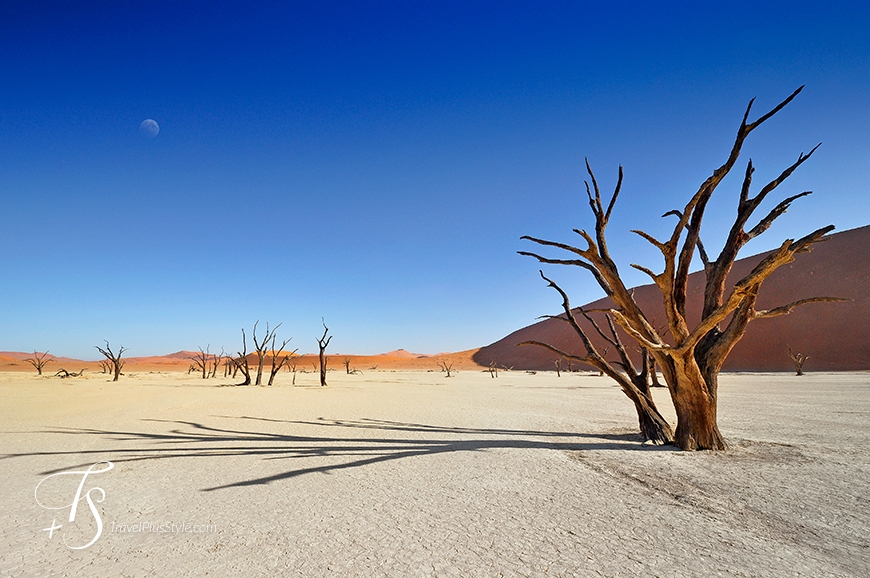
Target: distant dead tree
(799, 359)
(261, 347)
(216, 362)
(493, 369)
(291, 367)
(693, 354)
(106, 366)
(201, 362)
(445, 365)
(230, 368)
(280, 359)
(558, 364)
(346, 362)
(39, 360)
(240, 362)
(63, 374)
(322, 343)
(113, 358)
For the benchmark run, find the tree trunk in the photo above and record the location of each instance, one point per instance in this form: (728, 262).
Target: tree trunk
(695, 403)
(322, 368)
(260, 361)
(654, 428)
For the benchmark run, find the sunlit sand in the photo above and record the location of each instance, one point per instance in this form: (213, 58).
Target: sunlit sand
(409, 473)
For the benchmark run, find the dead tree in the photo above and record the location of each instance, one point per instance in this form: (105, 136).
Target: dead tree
(113, 358)
(691, 357)
(291, 367)
(201, 362)
(106, 366)
(346, 362)
(280, 359)
(216, 362)
(240, 363)
(230, 368)
(799, 359)
(445, 366)
(322, 343)
(493, 369)
(261, 347)
(558, 364)
(39, 360)
(63, 374)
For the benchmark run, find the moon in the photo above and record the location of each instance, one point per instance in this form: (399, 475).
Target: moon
(149, 128)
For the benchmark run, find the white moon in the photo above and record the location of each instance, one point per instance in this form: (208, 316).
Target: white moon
(149, 128)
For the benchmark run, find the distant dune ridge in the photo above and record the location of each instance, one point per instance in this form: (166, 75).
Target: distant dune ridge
(835, 336)
(182, 360)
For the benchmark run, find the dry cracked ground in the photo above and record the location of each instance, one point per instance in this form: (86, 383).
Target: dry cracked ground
(414, 474)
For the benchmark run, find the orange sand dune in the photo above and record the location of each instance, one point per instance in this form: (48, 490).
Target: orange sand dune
(182, 361)
(836, 336)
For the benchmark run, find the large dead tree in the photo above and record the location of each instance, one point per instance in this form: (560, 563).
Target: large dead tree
(322, 343)
(692, 354)
(113, 358)
(39, 361)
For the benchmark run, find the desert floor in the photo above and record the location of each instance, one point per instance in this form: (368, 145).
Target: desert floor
(409, 473)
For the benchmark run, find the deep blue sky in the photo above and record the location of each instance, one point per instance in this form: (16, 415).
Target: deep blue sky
(375, 163)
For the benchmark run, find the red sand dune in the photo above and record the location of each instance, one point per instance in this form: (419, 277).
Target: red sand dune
(406, 354)
(835, 336)
(182, 360)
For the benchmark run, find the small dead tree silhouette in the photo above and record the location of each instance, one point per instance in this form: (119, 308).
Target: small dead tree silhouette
(106, 366)
(280, 359)
(240, 362)
(322, 343)
(558, 364)
(201, 362)
(216, 362)
(692, 356)
(63, 374)
(113, 358)
(445, 365)
(261, 347)
(799, 359)
(291, 367)
(346, 362)
(39, 361)
(493, 369)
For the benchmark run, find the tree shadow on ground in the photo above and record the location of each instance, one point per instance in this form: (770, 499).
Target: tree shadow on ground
(196, 440)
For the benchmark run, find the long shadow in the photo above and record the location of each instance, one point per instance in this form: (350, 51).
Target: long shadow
(192, 440)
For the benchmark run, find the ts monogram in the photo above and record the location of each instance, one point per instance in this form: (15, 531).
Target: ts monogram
(73, 506)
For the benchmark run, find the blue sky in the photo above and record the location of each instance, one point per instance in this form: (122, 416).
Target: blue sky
(375, 163)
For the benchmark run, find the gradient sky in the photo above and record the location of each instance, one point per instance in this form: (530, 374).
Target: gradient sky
(375, 163)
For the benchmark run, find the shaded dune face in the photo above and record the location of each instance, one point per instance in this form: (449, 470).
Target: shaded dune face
(835, 336)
